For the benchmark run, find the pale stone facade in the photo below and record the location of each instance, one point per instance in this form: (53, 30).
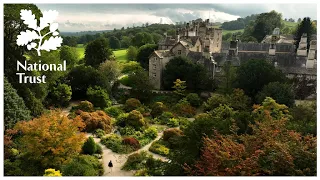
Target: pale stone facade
(203, 44)
(196, 41)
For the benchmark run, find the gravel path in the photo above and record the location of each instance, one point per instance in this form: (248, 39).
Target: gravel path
(118, 160)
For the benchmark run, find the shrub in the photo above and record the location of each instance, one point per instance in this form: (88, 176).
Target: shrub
(113, 111)
(131, 66)
(183, 123)
(157, 109)
(151, 132)
(159, 147)
(135, 161)
(99, 133)
(83, 165)
(125, 81)
(170, 133)
(141, 172)
(132, 104)
(214, 101)
(184, 109)
(132, 142)
(121, 120)
(173, 122)
(127, 131)
(61, 95)
(114, 142)
(96, 120)
(84, 106)
(194, 99)
(99, 97)
(98, 149)
(164, 118)
(144, 111)
(89, 147)
(135, 119)
(52, 172)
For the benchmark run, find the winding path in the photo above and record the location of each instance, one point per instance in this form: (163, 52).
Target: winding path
(118, 160)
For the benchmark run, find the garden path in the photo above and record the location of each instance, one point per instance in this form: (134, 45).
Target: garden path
(66, 111)
(118, 160)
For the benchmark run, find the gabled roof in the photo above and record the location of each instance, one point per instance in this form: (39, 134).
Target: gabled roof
(194, 56)
(168, 41)
(191, 39)
(185, 44)
(161, 53)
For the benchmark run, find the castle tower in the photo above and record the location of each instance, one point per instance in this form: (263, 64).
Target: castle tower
(302, 48)
(274, 38)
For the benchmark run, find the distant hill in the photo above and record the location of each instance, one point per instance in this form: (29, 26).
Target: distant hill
(82, 33)
(238, 24)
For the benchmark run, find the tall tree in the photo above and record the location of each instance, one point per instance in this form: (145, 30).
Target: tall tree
(254, 74)
(265, 24)
(109, 72)
(195, 75)
(33, 94)
(305, 26)
(14, 107)
(143, 54)
(97, 52)
(141, 86)
(69, 54)
(114, 42)
(280, 92)
(80, 78)
(132, 53)
(227, 81)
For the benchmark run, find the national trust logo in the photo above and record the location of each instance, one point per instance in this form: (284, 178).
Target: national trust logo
(37, 37)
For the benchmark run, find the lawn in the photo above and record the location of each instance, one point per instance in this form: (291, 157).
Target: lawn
(224, 32)
(290, 24)
(121, 55)
(80, 50)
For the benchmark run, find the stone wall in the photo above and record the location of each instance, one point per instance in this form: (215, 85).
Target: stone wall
(245, 56)
(285, 48)
(286, 59)
(253, 46)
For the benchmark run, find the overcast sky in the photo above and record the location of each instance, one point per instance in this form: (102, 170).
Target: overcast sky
(86, 17)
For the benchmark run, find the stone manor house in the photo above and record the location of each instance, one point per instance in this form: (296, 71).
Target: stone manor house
(202, 43)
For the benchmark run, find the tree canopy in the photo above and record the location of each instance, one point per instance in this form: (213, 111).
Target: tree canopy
(143, 54)
(254, 74)
(195, 75)
(97, 52)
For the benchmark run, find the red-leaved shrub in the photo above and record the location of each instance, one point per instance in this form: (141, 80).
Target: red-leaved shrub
(132, 142)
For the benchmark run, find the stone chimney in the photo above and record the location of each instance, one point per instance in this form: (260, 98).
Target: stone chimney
(177, 38)
(187, 28)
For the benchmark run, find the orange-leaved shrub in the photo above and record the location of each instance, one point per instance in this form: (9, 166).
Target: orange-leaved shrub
(96, 120)
(50, 139)
(171, 133)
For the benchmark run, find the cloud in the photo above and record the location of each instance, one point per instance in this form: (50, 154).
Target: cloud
(84, 17)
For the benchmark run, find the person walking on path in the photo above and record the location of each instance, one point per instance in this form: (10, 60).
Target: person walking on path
(110, 165)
